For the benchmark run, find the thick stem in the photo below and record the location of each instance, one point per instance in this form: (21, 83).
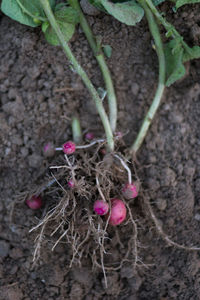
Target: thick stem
(81, 72)
(112, 101)
(76, 130)
(161, 82)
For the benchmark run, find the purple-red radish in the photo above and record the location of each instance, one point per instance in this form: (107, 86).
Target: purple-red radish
(89, 136)
(71, 183)
(130, 191)
(103, 151)
(69, 147)
(49, 149)
(118, 212)
(101, 207)
(118, 134)
(35, 202)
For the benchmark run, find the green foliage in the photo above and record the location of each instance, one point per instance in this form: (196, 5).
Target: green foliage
(129, 12)
(174, 62)
(157, 2)
(24, 11)
(107, 50)
(180, 3)
(67, 18)
(67, 15)
(97, 4)
(176, 53)
(191, 53)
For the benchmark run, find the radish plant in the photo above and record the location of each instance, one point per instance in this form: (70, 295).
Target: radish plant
(89, 168)
(35, 202)
(171, 55)
(58, 25)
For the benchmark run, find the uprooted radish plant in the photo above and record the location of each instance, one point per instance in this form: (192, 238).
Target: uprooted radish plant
(91, 187)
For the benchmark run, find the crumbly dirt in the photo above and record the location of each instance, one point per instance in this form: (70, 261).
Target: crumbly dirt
(39, 94)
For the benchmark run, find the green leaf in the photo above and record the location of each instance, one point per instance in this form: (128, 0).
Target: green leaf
(24, 11)
(191, 53)
(174, 62)
(67, 15)
(67, 30)
(157, 2)
(97, 4)
(45, 25)
(129, 12)
(107, 50)
(12, 9)
(180, 3)
(66, 23)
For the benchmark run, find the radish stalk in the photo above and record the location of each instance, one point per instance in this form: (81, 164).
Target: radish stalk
(112, 101)
(161, 81)
(104, 118)
(76, 130)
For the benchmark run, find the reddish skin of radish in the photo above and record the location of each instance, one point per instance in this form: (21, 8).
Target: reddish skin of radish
(103, 151)
(49, 150)
(130, 191)
(101, 207)
(118, 135)
(69, 147)
(118, 212)
(35, 202)
(71, 184)
(89, 136)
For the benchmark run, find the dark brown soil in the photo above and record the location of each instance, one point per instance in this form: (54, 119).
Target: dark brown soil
(34, 110)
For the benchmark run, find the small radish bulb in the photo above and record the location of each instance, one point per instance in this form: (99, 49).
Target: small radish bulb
(118, 212)
(49, 150)
(101, 207)
(69, 147)
(35, 202)
(71, 184)
(130, 191)
(103, 151)
(118, 134)
(89, 136)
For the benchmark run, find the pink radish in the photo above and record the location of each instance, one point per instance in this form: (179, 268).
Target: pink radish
(69, 147)
(130, 191)
(118, 212)
(71, 184)
(89, 136)
(119, 135)
(35, 202)
(101, 207)
(49, 150)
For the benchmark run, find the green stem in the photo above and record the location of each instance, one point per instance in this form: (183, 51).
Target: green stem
(168, 26)
(47, 9)
(161, 81)
(76, 130)
(112, 101)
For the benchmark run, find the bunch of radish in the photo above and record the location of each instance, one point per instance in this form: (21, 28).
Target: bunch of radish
(116, 211)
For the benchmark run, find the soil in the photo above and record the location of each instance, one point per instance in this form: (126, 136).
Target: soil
(39, 94)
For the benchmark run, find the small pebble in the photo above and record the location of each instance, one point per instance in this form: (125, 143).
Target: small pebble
(161, 204)
(4, 248)
(197, 217)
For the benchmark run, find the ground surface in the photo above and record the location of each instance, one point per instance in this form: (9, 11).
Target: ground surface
(34, 110)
